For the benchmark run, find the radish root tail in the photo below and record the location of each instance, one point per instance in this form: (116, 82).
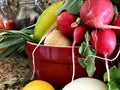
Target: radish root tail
(107, 67)
(73, 62)
(33, 53)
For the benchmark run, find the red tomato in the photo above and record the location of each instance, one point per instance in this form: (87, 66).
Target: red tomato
(1, 24)
(7, 24)
(10, 25)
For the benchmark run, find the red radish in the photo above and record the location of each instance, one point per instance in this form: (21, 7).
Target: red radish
(97, 13)
(79, 33)
(103, 41)
(64, 21)
(117, 23)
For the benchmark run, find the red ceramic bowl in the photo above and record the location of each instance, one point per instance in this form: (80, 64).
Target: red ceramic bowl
(54, 64)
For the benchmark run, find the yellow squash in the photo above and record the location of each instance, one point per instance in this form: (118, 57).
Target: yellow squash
(46, 20)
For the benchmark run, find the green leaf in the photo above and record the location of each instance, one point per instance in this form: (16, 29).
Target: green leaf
(82, 48)
(29, 27)
(88, 59)
(9, 51)
(15, 41)
(27, 31)
(82, 63)
(22, 34)
(72, 6)
(114, 83)
(25, 36)
(112, 86)
(10, 42)
(87, 38)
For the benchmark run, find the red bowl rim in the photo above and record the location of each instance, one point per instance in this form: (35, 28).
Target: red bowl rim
(35, 44)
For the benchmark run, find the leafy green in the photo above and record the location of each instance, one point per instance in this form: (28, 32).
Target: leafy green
(12, 51)
(114, 83)
(72, 6)
(15, 41)
(9, 42)
(88, 61)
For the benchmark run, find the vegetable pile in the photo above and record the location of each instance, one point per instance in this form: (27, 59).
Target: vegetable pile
(93, 25)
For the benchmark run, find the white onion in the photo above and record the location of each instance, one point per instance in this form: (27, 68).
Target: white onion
(86, 83)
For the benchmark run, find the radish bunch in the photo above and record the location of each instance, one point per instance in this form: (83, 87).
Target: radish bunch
(96, 17)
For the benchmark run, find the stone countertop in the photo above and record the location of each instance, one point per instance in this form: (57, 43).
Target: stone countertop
(14, 73)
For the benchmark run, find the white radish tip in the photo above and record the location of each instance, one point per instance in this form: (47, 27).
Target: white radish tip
(74, 24)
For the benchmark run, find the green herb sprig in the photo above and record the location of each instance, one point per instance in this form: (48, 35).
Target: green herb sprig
(88, 61)
(15, 41)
